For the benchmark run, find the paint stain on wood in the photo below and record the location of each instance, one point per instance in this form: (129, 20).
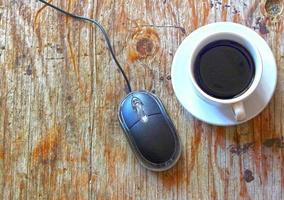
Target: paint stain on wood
(80, 157)
(79, 183)
(29, 70)
(261, 25)
(133, 56)
(2, 154)
(169, 77)
(224, 11)
(248, 176)
(19, 143)
(85, 156)
(206, 12)
(194, 16)
(243, 189)
(240, 149)
(220, 138)
(236, 18)
(113, 158)
(110, 157)
(170, 178)
(46, 149)
(274, 142)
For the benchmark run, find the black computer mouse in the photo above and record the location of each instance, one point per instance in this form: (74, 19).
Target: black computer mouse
(149, 130)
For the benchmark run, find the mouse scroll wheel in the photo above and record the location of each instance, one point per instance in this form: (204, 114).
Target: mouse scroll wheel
(138, 106)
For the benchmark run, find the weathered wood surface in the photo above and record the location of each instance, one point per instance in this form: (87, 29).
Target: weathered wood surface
(59, 94)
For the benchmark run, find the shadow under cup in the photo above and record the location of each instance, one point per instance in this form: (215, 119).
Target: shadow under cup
(239, 44)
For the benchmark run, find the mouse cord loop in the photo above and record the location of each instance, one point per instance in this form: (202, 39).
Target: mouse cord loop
(103, 32)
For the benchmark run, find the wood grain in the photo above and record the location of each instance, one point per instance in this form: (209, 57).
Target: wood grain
(60, 90)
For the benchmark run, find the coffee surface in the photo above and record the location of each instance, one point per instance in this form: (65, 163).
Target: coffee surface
(224, 69)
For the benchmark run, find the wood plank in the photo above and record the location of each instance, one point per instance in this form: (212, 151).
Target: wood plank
(60, 90)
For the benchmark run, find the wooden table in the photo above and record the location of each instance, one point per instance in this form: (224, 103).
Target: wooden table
(60, 90)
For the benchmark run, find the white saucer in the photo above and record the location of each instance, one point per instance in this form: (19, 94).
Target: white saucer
(222, 115)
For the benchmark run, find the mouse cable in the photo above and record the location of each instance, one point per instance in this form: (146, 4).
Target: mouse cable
(103, 32)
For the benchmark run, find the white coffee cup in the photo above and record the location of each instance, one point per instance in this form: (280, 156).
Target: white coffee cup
(236, 103)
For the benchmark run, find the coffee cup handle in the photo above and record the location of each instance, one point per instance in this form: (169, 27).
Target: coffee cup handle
(239, 111)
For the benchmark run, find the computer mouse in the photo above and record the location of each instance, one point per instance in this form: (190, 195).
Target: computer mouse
(149, 130)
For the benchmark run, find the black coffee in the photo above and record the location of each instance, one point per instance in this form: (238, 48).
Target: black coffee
(224, 69)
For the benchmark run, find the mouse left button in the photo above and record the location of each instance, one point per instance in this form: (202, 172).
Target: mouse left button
(127, 114)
